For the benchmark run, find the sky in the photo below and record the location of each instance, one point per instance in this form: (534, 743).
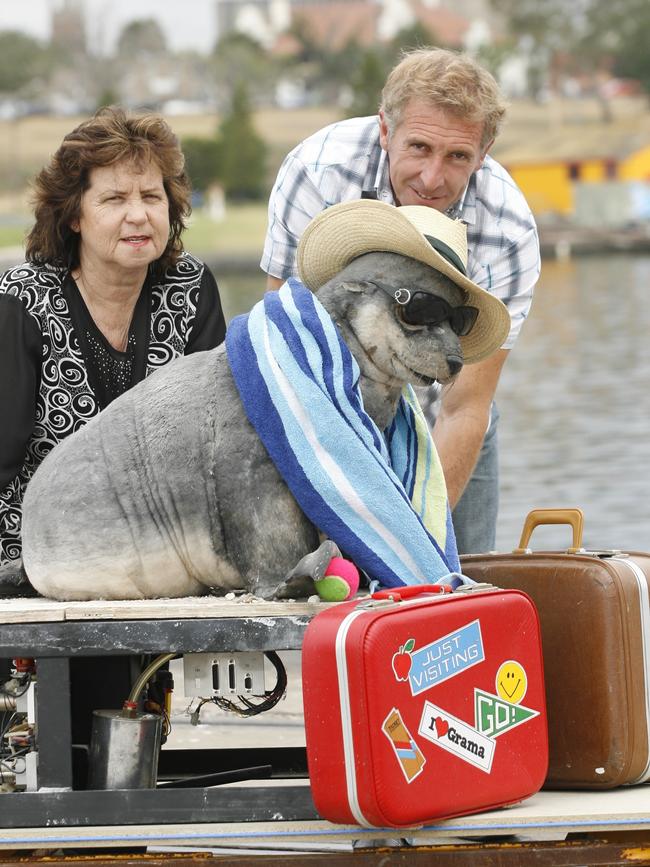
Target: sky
(186, 23)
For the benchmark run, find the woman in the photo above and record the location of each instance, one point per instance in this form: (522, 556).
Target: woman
(106, 296)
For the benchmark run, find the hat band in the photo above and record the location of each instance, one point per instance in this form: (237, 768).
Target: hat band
(447, 253)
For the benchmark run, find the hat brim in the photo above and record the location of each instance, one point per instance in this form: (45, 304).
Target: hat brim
(345, 231)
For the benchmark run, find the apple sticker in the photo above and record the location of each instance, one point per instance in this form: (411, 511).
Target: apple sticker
(402, 660)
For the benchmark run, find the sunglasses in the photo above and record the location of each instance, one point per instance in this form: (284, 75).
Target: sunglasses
(422, 308)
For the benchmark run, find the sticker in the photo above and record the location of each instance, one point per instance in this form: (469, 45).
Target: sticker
(493, 716)
(511, 681)
(448, 656)
(455, 736)
(407, 751)
(401, 661)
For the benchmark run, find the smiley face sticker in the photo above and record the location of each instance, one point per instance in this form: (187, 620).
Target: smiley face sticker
(511, 682)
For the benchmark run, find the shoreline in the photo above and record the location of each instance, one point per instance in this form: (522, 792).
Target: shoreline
(555, 243)
(565, 242)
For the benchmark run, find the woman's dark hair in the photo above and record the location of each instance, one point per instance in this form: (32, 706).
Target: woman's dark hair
(109, 137)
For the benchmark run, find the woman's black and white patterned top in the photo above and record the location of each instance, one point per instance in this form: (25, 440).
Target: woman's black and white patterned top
(58, 370)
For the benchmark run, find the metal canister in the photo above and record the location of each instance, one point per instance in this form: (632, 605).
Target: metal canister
(124, 750)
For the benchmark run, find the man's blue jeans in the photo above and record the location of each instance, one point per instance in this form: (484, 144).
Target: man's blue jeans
(475, 515)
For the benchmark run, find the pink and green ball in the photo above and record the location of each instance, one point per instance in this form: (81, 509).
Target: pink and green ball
(340, 582)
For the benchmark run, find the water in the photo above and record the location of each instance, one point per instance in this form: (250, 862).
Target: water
(574, 399)
(575, 404)
(239, 291)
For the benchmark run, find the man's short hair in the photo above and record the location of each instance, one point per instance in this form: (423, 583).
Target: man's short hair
(448, 80)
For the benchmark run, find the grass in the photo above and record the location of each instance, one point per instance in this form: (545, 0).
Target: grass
(27, 144)
(239, 235)
(12, 236)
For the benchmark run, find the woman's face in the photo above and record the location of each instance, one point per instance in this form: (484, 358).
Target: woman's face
(124, 220)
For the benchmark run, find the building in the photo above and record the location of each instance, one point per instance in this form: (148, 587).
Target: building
(333, 23)
(69, 27)
(587, 171)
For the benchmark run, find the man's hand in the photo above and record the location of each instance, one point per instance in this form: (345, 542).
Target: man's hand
(273, 282)
(463, 420)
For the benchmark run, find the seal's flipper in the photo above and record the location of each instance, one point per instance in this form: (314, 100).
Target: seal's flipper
(299, 583)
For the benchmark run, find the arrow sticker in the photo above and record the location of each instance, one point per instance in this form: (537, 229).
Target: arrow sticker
(493, 716)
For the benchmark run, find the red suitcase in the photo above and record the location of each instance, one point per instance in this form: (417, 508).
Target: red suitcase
(420, 705)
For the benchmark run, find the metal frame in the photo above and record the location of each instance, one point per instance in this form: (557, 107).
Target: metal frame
(56, 803)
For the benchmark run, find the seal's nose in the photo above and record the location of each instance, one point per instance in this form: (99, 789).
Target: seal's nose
(454, 363)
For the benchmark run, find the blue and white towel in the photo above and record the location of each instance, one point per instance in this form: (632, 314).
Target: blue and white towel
(380, 497)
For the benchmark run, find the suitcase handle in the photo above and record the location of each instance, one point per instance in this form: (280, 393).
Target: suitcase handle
(399, 593)
(538, 517)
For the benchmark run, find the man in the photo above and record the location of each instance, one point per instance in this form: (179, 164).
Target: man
(440, 114)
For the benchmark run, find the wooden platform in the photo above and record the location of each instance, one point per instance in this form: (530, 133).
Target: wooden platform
(188, 624)
(276, 811)
(54, 632)
(194, 607)
(545, 816)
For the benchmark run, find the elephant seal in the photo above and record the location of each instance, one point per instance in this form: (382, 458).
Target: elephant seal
(169, 491)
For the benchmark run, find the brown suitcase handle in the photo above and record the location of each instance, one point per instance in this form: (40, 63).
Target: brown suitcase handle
(538, 517)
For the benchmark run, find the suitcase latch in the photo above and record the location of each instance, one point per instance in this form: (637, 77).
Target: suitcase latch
(605, 554)
(475, 587)
(377, 603)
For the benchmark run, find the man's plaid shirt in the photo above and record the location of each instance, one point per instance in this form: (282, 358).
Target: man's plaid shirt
(344, 159)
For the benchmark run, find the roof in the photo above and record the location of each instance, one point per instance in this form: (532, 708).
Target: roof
(335, 24)
(572, 131)
(449, 28)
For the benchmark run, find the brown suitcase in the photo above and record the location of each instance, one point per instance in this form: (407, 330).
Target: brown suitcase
(595, 617)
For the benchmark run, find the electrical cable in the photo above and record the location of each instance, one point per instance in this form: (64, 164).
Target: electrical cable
(13, 694)
(138, 686)
(251, 708)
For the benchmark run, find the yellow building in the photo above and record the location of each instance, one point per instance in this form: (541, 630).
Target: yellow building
(552, 164)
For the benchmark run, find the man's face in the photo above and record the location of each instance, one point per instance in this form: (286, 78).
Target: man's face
(431, 155)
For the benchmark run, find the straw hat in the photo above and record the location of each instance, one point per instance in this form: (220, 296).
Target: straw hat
(339, 234)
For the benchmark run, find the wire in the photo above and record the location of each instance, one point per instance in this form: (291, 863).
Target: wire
(12, 729)
(154, 707)
(251, 708)
(12, 694)
(5, 728)
(8, 752)
(150, 670)
(7, 763)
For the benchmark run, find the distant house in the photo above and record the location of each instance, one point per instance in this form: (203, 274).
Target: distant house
(594, 172)
(333, 23)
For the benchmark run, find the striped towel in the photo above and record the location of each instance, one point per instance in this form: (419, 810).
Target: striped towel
(380, 497)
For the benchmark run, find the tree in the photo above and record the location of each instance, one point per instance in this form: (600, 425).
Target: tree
(22, 59)
(367, 83)
(203, 161)
(240, 60)
(336, 69)
(415, 36)
(108, 96)
(310, 51)
(242, 153)
(542, 28)
(141, 38)
(493, 55)
(617, 31)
